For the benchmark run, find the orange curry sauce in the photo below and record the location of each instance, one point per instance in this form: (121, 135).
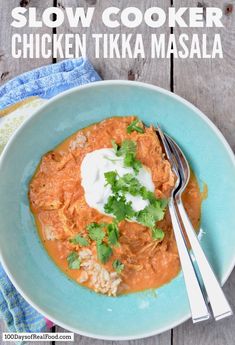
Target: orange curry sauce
(60, 210)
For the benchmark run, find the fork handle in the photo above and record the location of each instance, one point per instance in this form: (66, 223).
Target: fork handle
(219, 304)
(196, 298)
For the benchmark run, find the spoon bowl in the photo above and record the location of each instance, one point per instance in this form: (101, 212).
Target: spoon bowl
(184, 169)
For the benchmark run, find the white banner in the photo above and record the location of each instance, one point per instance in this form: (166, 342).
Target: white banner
(38, 337)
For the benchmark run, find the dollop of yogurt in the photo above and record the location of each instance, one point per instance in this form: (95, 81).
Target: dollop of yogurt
(95, 164)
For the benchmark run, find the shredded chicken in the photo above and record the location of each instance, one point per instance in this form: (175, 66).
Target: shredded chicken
(59, 206)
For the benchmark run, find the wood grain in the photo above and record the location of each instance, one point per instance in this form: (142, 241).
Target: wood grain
(154, 71)
(163, 339)
(211, 332)
(10, 67)
(210, 84)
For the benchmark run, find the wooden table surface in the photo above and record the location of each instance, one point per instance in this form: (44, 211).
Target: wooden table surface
(208, 84)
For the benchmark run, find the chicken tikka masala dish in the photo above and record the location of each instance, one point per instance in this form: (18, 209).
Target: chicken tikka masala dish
(100, 205)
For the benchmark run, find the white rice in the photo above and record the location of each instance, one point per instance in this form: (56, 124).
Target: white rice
(101, 280)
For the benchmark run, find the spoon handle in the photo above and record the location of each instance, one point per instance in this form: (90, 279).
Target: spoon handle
(196, 298)
(219, 304)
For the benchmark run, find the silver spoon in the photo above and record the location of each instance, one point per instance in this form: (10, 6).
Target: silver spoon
(219, 304)
(197, 301)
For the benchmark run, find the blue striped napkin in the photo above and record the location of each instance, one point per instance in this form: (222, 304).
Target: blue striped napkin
(44, 82)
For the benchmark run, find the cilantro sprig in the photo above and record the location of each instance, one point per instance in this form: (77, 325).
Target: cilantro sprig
(104, 252)
(157, 234)
(151, 214)
(133, 127)
(96, 232)
(128, 151)
(80, 240)
(118, 206)
(118, 266)
(127, 147)
(74, 261)
(128, 183)
(113, 234)
(104, 239)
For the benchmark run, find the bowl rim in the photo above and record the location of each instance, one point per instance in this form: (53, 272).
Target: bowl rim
(36, 113)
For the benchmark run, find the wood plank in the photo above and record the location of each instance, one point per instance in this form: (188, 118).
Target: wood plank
(163, 339)
(155, 71)
(211, 332)
(210, 83)
(9, 66)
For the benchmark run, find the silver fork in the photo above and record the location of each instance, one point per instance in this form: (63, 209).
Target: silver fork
(218, 302)
(197, 301)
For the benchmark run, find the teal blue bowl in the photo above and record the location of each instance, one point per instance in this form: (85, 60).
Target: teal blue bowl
(22, 254)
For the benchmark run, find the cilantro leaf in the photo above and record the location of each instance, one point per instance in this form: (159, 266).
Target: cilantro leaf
(128, 151)
(164, 203)
(113, 233)
(118, 266)
(146, 218)
(120, 186)
(128, 183)
(128, 178)
(124, 184)
(127, 147)
(157, 210)
(78, 239)
(151, 214)
(74, 261)
(134, 127)
(158, 234)
(147, 195)
(115, 146)
(131, 162)
(95, 232)
(111, 177)
(103, 252)
(119, 207)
